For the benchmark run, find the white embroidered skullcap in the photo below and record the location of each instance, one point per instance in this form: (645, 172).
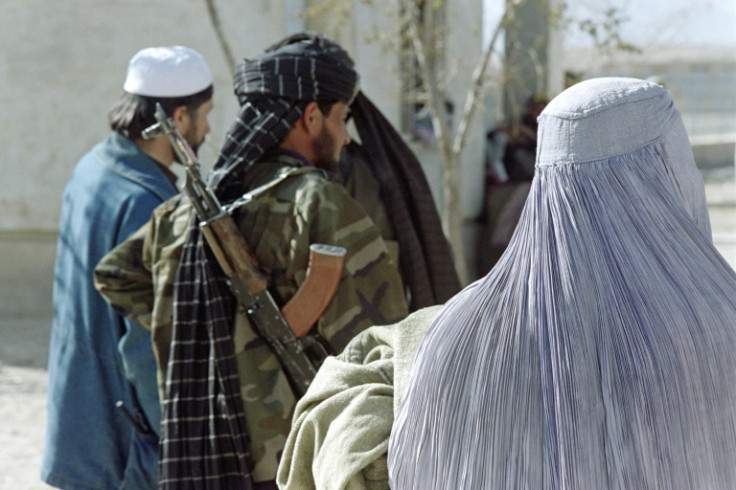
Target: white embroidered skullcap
(167, 71)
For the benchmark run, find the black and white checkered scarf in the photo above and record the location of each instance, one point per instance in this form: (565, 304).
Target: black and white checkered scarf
(204, 443)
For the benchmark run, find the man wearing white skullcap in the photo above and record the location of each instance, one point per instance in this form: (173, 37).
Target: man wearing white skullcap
(98, 359)
(597, 353)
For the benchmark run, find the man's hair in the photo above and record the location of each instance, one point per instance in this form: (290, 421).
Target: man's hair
(134, 113)
(325, 106)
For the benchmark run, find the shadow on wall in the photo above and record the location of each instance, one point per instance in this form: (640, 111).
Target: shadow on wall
(26, 279)
(715, 151)
(27, 272)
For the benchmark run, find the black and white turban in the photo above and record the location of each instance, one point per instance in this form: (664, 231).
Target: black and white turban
(273, 89)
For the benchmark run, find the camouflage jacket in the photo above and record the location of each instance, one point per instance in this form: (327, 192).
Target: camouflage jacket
(137, 278)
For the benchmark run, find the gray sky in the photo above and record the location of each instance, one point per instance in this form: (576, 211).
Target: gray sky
(652, 22)
(672, 22)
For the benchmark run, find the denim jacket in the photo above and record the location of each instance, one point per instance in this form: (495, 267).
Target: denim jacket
(97, 358)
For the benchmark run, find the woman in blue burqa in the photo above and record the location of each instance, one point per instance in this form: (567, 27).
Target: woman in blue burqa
(599, 352)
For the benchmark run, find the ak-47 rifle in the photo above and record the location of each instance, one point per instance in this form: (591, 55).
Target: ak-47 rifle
(282, 329)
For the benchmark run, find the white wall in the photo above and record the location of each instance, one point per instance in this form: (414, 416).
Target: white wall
(465, 47)
(62, 67)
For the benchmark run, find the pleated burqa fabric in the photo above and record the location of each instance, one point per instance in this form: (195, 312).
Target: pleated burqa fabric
(600, 352)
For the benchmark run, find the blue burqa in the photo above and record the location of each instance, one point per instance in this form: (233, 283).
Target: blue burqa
(600, 352)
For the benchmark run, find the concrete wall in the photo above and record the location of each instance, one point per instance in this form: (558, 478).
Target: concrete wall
(714, 151)
(62, 67)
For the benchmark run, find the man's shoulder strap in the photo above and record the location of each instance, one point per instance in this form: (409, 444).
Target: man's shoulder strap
(255, 193)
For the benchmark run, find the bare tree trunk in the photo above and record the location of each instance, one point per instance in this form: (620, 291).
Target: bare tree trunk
(451, 151)
(477, 82)
(452, 215)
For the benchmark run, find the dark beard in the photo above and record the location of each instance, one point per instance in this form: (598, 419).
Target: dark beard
(323, 148)
(189, 138)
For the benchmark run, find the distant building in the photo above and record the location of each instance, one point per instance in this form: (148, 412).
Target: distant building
(701, 79)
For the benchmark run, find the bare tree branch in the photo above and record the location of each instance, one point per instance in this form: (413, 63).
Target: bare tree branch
(220, 33)
(452, 208)
(477, 82)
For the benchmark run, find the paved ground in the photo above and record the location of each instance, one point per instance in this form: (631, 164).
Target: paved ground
(23, 353)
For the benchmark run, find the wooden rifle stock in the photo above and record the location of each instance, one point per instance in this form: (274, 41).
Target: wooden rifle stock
(249, 286)
(232, 253)
(320, 285)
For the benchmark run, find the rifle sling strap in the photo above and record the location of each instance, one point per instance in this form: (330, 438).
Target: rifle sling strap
(249, 196)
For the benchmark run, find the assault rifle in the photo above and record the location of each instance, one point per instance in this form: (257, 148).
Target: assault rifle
(282, 329)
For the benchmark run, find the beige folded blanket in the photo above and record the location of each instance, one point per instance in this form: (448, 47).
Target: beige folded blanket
(341, 427)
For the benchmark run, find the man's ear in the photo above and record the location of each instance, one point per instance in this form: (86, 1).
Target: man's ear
(181, 118)
(312, 118)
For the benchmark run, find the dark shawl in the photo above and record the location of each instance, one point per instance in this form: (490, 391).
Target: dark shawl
(425, 257)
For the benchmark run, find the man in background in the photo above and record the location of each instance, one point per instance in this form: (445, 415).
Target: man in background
(98, 359)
